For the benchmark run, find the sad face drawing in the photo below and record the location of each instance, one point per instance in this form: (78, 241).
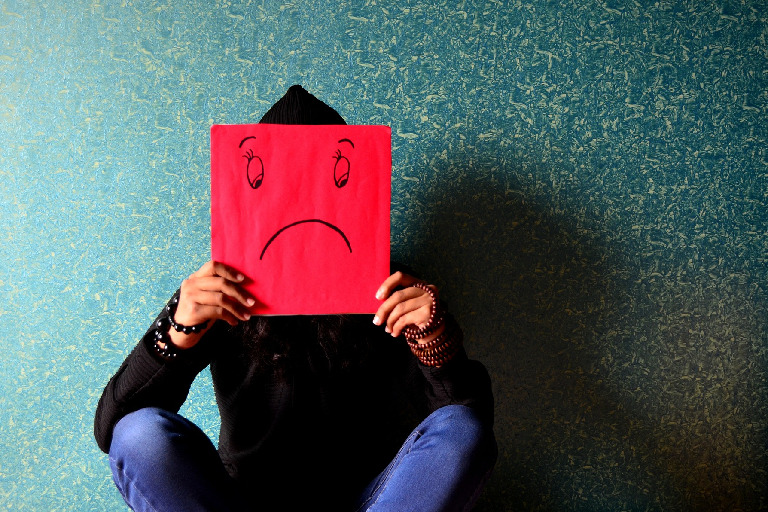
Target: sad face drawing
(303, 212)
(254, 173)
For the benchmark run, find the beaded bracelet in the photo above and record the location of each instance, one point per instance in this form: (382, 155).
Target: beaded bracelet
(435, 317)
(440, 350)
(447, 352)
(168, 351)
(441, 359)
(163, 325)
(435, 352)
(186, 329)
(424, 347)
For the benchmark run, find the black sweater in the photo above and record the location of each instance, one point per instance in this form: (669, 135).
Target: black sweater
(310, 434)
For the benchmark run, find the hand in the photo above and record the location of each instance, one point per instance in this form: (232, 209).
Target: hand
(407, 306)
(212, 293)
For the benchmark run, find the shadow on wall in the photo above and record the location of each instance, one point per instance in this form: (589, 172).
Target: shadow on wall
(543, 305)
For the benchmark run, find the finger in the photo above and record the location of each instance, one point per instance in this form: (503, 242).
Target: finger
(398, 279)
(227, 314)
(413, 312)
(385, 309)
(228, 272)
(417, 317)
(209, 305)
(398, 304)
(222, 285)
(215, 268)
(205, 270)
(221, 300)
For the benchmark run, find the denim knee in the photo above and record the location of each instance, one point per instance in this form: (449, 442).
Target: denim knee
(143, 435)
(443, 465)
(463, 433)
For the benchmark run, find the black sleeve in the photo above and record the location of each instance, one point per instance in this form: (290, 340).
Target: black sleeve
(461, 381)
(146, 380)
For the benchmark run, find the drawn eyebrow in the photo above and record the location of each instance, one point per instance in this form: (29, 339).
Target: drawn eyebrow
(252, 137)
(347, 140)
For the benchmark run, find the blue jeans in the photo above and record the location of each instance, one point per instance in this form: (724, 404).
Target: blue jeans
(162, 462)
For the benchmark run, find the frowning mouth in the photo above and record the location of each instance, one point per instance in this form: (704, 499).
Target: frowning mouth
(281, 230)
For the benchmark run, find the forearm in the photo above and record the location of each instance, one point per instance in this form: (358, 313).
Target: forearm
(461, 381)
(146, 380)
(457, 380)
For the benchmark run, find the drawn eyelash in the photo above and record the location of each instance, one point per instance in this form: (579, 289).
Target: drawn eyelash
(340, 172)
(254, 175)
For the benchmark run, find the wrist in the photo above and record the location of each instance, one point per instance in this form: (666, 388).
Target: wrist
(171, 337)
(163, 346)
(183, 341)
(438, 349)
(171, 309)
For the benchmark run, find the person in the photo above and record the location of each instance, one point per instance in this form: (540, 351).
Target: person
(328, 412)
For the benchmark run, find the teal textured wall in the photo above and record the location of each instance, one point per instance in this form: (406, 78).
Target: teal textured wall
(587, 182)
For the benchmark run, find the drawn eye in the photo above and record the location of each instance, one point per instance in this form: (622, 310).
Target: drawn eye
(340, 169)
(254, 169)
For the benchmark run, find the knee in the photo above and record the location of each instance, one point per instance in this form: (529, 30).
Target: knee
(465, 434)
(142, 435)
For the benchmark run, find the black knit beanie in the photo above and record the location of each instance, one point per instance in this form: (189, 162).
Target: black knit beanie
(300, 107)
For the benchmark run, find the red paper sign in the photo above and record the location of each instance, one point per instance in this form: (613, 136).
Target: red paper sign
(303, 213)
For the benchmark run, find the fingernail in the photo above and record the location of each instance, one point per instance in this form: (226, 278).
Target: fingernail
(240, 277)
(247, 316)
(376, 320)
(250, 302)
(386, 329)
(380, 294)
